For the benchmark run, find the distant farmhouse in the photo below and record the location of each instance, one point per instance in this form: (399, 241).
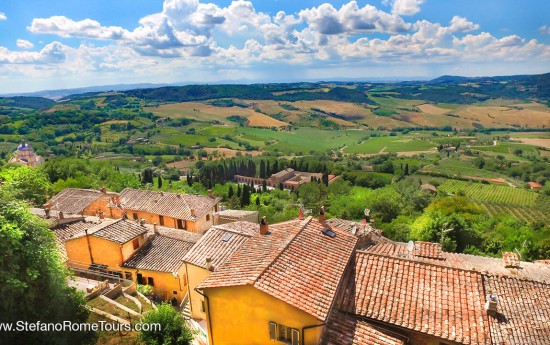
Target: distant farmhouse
(25, 156)
(289, 178)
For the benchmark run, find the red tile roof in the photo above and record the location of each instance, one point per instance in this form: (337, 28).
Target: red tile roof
(523, 311)
(432, 299)
(162, 254)
(294, 262)
(220, 242)
(534, 185)
(73, 200)
(428, 250)
(528, 270)
(345, 329)
(173, 205)
(120, 231)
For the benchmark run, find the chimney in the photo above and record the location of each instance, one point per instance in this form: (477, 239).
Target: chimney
(209, 265)
(47, 213)
(364, 223)
(117, 199)
(322, 217)
(301, 214)
(142, 222)
(491, 304)
(264, 228)
(101, 214)
(372, 223)
(193, 213)
(156, 229)
(210, 194)
(103, 190)
(61, 215)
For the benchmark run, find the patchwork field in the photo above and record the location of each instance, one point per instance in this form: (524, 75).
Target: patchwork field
(491, 193)
(391, 144)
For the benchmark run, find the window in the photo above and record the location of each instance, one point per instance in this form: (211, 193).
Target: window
(150, 281)
(128, 275)
(140, 279)
(135, 243)
(135, 216)
(203, 306)
(175, 292)
(207, 217)
(284, 334)
(161, 220)
(180, 224)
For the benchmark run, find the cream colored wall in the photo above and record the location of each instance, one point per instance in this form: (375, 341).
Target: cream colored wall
(128, 247)
(196, 275)
(241, 315)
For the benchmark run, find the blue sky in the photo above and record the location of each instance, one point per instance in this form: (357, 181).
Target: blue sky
(64, 44)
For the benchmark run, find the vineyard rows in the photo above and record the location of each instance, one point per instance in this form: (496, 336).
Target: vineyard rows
(525, 214)
(491, 193)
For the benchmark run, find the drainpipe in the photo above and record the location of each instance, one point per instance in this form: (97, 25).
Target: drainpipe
(211, 340)
(309, 327)
(89, 245)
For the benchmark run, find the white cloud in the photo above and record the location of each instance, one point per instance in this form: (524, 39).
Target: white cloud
(24, 44)
(3, 16)
(405, 7)
(51, 53)
(351, 19)
(65, 27)
(460, 24)
(545, 29)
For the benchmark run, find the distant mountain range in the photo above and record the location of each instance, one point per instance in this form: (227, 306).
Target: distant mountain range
(517, 86)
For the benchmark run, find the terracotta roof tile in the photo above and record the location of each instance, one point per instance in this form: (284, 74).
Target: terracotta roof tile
(482, 264)
(73, 200)
(428, 250)
(120, 231)
(345, 329)
(510, 259)
(220, 242)
(163, 254)
(173, 205)
(432, 299)
(523, 311)
(294, 257)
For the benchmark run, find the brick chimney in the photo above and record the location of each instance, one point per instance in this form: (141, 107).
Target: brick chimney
(61, 215)
(209, 265)
(156, 229)
(101, 214)
(301, 214)
(103, 190)
(193, 213)
(210, 194)
(322, 217)
(47, 213)
(264, 227)
(491, 304)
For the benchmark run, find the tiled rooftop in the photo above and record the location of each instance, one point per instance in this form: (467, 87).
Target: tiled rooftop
(173, 205)
(236, 214)
(428, 250)
(220, 242)
(345, 329)
(523, 311)
(163, 254)
(432, 299)
(295, 263)
(73, 200)
(120, 231)
(482, 264)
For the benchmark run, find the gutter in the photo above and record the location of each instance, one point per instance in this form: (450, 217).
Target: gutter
(211, 338)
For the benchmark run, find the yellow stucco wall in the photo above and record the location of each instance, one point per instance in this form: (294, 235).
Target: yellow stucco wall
(104, 252)
(241, 315)
(196, 275)
(165, 283)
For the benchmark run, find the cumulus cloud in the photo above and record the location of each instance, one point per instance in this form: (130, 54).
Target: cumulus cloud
(460, 24)
(24, 44)
(545, 29)
(3, 16)
(52, 53)
(65, 27)
(351, 19)
(405, 7)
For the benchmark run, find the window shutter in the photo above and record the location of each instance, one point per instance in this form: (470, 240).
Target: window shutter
(295, 337)
(272, 331)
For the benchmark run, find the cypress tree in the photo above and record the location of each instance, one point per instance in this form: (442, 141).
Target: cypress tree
(159, 182)
(230, 192)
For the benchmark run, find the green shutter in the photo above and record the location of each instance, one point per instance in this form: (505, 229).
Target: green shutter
(295, 337)
(272, 331)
